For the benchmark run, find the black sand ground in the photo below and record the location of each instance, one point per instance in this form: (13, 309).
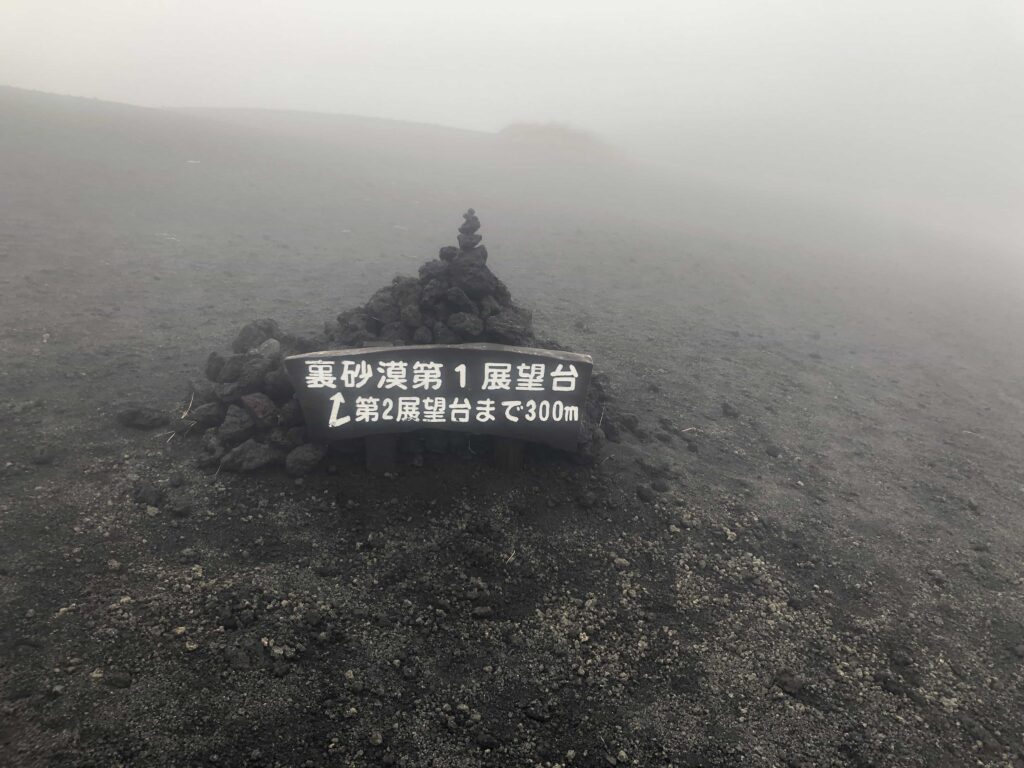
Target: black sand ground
(828, 572)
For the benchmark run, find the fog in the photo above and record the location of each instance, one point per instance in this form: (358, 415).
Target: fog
(769, 515)
(891, 116)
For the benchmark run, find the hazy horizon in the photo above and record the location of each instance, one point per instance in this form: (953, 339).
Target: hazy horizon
(909, 112)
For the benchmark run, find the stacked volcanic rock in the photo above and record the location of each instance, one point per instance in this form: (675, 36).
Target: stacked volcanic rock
(456, 299)
(247, 411)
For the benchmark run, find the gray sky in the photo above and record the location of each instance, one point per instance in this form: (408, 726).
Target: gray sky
(916, 105)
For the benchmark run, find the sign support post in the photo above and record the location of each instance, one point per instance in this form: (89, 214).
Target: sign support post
(381, 453)
(508, 453)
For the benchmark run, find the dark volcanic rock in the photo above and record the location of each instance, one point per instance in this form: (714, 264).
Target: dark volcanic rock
(466, 325)
(278, 386)
(117, 679)
(470, 223)
(236, 427)
(304, 459)
(433, 270)
(410, 315)
(395, 332)
(271, 349)
(141, 416)
(249, 456)
(489, 306)
(254, 370)
(208, 415)
(459, 300)
(227, 393)
(201, 392)
(230, 369)
(485, 740)
(469, 242)
(262, 409)
(286, 440)
(538, 711)
(434, 291)
(510, 326)
(475, 279)
(291, 414)
(255, 333)
(214, 364)
(445, 335)
(382, 306)
(354, 326)
(147, 493)
(502, 294)
(790, 682)
(213, 446)
(646, 494)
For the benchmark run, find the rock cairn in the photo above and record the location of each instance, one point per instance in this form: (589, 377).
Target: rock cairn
(455, 299)
(246, 410)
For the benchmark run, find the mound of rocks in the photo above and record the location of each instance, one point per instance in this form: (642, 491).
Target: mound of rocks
(246, 409)
(455, 299)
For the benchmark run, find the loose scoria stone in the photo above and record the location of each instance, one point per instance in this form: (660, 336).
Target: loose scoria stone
(255, 333)
(395, 332)
(229, 370)
(466, 324)
(445, 335)
(237, 427)
(471, 222)
(510, 326)
(411, 315)
(433, 270)
(261, 408)
(207, 415)
(285, 440)
(214, 364)
(789, 681)
(458, 299)
(117, 679)
(254, 370)
(270, 349)
(434, 292)
(139, 416)
(475, 279)
(291, 414)
(469, 242)
(277, 385)
(249, 456)
(304, 459)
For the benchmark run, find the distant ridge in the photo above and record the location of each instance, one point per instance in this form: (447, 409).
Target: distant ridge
(26, 96)
(114, 166)
(255, 115)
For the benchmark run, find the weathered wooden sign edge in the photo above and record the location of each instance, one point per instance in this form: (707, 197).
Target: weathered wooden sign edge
(480, 346)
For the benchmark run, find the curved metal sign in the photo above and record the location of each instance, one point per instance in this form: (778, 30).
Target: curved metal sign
(530, 394)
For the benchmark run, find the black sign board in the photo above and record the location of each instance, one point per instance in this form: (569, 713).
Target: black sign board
(530, 394)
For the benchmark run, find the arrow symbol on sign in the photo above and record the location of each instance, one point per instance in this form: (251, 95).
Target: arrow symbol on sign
(338, 400)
